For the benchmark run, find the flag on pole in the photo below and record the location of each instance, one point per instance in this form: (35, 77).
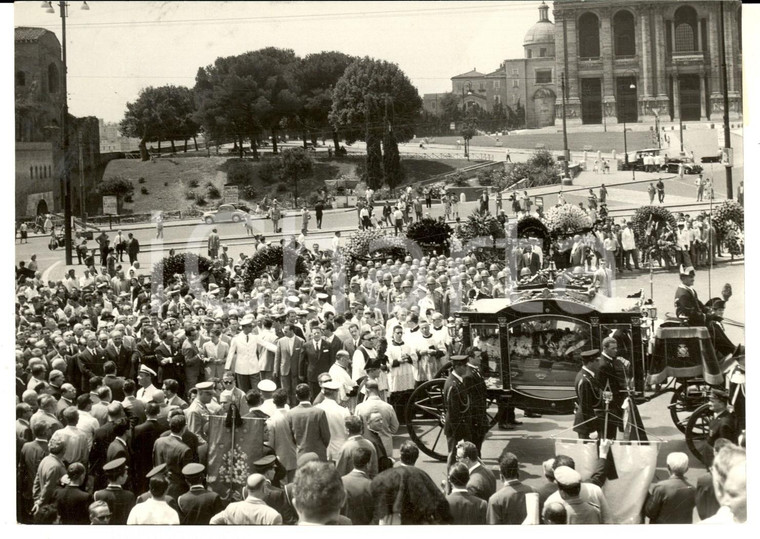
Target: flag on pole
(231, 454)
(635, 463)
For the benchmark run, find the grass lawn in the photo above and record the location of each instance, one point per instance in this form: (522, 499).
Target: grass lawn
(605, 142)
(168, 179)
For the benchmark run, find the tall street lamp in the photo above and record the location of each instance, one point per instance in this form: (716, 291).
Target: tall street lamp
(66, 171)
(564, 130)
(625, 135)
(464, 112)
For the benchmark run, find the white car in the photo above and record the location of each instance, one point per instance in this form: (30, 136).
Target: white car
(225, 213)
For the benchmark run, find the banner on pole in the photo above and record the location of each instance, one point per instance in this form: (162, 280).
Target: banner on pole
(231, 454)
(110, 205)
(635, 464)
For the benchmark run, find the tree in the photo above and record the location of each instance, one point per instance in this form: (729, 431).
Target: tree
(295, 162)
(316, 76)
(158, 113)
(117, 186)
(392, 171)
(469, 130)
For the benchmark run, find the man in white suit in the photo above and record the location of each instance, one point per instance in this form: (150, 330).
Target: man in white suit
(243, 358)
(287, 358)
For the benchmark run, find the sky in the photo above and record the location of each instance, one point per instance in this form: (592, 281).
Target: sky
(117, 48)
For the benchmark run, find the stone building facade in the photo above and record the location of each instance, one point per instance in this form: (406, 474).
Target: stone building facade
(39, 103)
(632, 61)
(622, 60)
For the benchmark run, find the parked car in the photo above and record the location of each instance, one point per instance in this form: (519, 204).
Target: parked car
(225, 213)
(689, 166)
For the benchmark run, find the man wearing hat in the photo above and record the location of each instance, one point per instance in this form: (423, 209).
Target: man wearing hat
(199, 504)
(457, 403)
(336, 416)
(243, 358)
(213, 244)
(579, 509)
(724, 423)
(198, 412)
(145, 378)
(687, 302)
(119, 500)
(272, 495)
(172, 451)
(589, 393)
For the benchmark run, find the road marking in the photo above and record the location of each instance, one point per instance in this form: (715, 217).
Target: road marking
(46, 273)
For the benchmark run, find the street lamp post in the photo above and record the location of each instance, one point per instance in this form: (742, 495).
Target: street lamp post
(625, 138)
(566, 151)
(62, 5)
(464, 110)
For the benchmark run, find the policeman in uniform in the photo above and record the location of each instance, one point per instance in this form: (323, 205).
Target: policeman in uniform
(273, 496)
(476, 388)
(199, 504)
(197, 416)
(120, 501)
(157, 471)
(458, 405)
(724, 424)
(589, 393)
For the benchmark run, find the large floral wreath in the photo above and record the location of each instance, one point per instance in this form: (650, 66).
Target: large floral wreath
(567, 219)
(649, 224)
(275, 260)
(184, 265)
(728, 220)
(430, 231)
(371, 244)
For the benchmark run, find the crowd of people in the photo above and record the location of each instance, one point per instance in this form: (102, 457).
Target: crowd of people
(116, 378)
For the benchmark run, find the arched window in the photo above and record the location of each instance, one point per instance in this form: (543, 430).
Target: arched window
(53, 79)
(20, 78)
(31, 172)
(685, 23)
(625, 31)
(35, 175)
(588, 32)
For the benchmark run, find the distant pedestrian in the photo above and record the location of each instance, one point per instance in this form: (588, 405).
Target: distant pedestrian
(133, 247)
(366, 222)
(318, 209)
(388, 213)
(213, 244)
(455, 205)
(159, 225)
(305, 218)
(700, 183)
(739, 198)
(48, 224)
(428, 198)
(509, 158)
(651, 189)
(398, 219)
(603, 195)
(660, 191)
(418, 208)
(592, 199)
(24, 239)
(606, 165)
(275, 214)
(248, 222)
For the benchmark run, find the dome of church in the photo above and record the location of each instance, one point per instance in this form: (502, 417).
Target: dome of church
(542, 31)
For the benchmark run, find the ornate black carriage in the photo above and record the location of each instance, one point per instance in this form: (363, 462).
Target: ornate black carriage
(532, 344)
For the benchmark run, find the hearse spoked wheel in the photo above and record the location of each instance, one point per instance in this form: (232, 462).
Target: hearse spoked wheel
(697, 431)
(425, 418)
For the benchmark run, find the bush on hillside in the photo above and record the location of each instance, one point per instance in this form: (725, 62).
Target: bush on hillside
(239, 172)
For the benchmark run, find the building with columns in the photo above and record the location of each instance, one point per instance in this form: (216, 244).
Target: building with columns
(621, 60)
(633, 61)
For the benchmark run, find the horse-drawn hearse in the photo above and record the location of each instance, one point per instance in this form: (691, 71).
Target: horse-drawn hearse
(531, 344)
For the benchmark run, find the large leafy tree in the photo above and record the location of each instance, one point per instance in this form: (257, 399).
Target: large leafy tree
(157, 114)
(392, 171)
(372, 97)
(317, 75)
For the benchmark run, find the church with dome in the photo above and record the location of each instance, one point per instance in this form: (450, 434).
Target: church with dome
(621, 61)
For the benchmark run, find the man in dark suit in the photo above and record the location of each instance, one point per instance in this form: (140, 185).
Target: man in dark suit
(589, 394)
(191, 354)
(350, 345)
(475, 385)
(133, 247)
(672, 501)
(315, 360)
(144, 436)
(199, 504)
(90, 362)
(529, 260)
(120, 448)
(101, 441)
(287, 359)
(121, 355)
(71, 501)
(114, 383)
(334, 343)
(175, 453)
(482, 481)
(171, 362)
(309, 425)
(145, 350)
(359, 504)
(466, 508)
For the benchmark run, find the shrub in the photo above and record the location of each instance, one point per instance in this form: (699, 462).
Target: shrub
(141, 180)
(282, 188)
(247, 191)
(166, 184)
(144, 190)
(189, 194)
(200, 200)
(213, 192)
(239, 172)
(269, 170)
(480, 225)
(193, 183)
(116, 185)
(128, 198)
(542, 159)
